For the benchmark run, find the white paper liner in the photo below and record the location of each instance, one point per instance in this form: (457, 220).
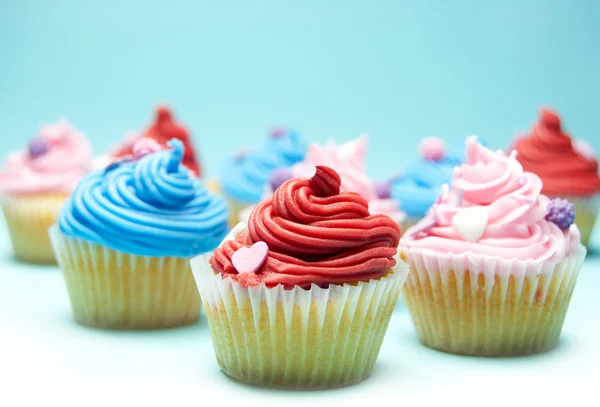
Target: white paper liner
(28, 219)
(313, 338)
(116, 290)
(477, 305)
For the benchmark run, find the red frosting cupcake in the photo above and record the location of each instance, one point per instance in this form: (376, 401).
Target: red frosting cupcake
(306, 289)
(162, 130)
(565, 169)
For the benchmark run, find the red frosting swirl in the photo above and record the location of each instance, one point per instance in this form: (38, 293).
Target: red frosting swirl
(164, 129)
(315, 234)
(549, 153)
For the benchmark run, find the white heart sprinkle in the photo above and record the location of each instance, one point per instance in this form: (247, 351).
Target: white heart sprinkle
(470, 223)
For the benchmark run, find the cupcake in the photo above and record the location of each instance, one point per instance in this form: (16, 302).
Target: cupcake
(419, 185)
(302, 295)
(567, 169)
(494, 262)
(164, 128)
(125, 237)
(348, 160)
(35, 183)
(244, 177)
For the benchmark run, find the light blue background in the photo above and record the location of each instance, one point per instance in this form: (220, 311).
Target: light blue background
(399, 70)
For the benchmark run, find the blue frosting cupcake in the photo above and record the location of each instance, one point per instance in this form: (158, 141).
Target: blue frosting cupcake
(244, 177)
(419, 186)
(155, 202)
(124, 239)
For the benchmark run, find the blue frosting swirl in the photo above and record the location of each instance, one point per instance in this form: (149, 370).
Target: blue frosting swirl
(149, 207)
(244, 178)
(419, 186)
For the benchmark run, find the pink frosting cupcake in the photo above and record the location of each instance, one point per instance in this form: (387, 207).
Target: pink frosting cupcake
(34, 184)
(348, 160)
(494, 262)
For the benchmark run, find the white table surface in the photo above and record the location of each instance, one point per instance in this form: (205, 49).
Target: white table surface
(45, 355)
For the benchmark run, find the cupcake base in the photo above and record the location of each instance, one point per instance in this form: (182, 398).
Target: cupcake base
(498, 311)
(586, 210)
(115, 290)
(28, 219)
(235, 207)
(302, 339)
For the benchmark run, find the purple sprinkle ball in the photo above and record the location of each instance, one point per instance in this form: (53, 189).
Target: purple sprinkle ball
(279, 176)
(382, 189)
(561, 212)
(38, 147)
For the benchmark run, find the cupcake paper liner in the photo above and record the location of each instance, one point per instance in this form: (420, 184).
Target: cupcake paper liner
(586, 209)
(473, 305)
(28, 219)
(298, 338)
(115, 290)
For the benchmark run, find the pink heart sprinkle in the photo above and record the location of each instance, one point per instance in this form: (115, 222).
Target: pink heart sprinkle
(250, 259)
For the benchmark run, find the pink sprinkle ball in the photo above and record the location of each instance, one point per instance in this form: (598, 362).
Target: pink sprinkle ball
(432, 149)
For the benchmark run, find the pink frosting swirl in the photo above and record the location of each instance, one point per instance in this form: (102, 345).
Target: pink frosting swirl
(348, 160)
(54, 162)
(504, 213)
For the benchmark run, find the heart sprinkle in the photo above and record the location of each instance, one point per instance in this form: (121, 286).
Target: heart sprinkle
(250, 259)
(470, 223)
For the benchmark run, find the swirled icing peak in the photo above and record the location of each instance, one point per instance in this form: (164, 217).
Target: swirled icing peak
(161, 131)
(148, 207)
(545, 146)
(55, 160)
(315, 234)
(494, 209)
(348, 160)
(245, 176)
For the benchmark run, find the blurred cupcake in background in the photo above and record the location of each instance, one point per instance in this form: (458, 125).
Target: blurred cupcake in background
(124, 239)
(494, 263)
(301, 296)
(420, 183)
(568, 168)
(245, 176)
(164, 129)
(35, 183)
(348, 160)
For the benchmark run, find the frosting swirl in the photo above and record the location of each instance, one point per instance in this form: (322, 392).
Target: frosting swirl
(494, 209)
(419, 185)
(53, 164)
(548, 144)
(245, 176)
(348, 160)
(149, 207)
(315, 235)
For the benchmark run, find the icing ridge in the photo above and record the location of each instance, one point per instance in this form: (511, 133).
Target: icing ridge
(150, 207)
(54, 162)
(548, 144)
(315, 235)
(494, 209)
(245, 176)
